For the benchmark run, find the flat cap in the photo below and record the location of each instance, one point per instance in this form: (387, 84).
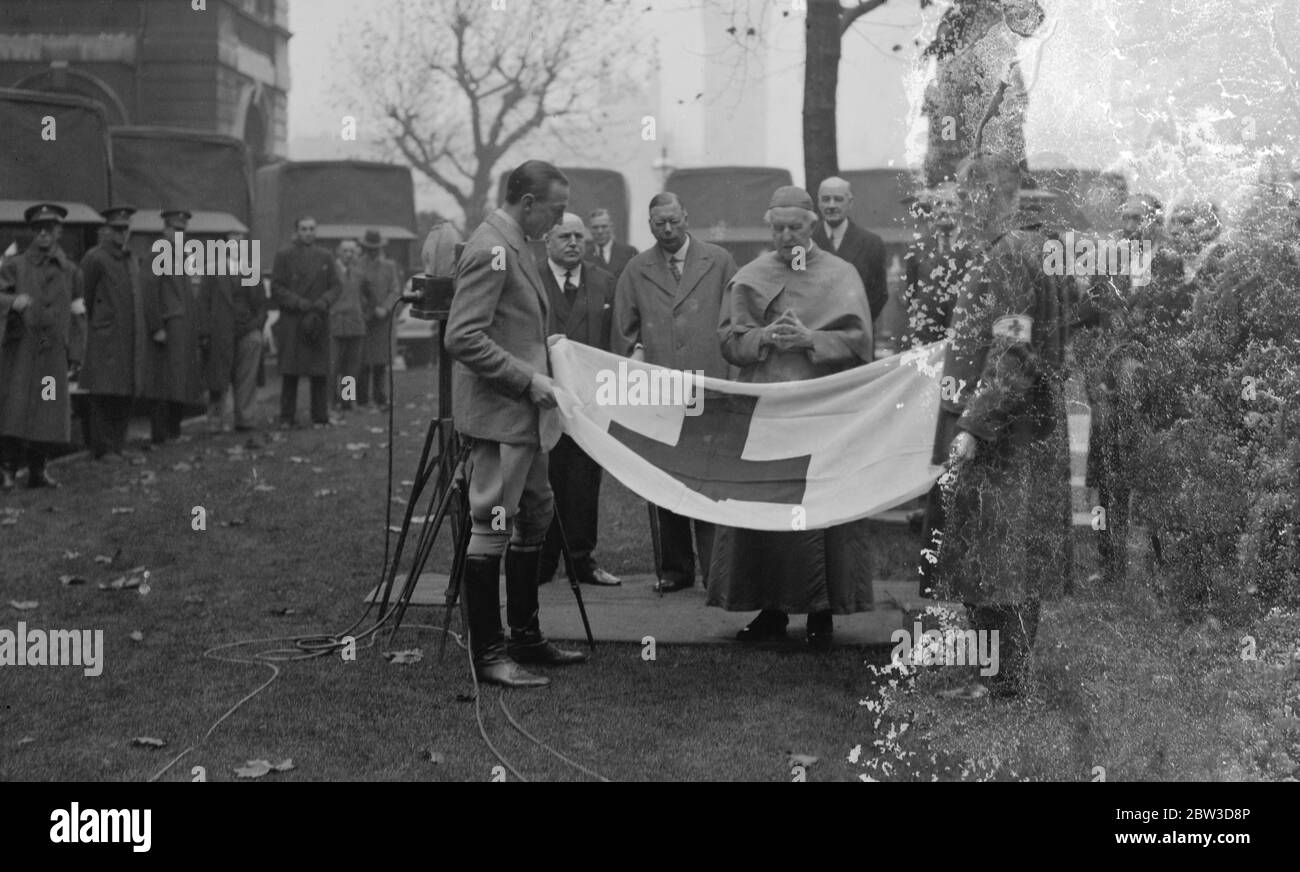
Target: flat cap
(44, 212)
(175, 211)
(791, 195)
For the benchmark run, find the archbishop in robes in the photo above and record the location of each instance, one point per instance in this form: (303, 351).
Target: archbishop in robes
(791, 314)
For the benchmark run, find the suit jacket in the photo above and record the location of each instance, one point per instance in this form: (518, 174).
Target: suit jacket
(676, 322)
(304, 284)
(866, 251)
(496, 332)
(619, 255)
(591, 318)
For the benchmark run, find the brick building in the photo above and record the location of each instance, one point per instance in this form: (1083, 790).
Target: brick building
(221, 68)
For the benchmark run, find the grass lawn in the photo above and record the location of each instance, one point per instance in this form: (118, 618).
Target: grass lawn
(295, 537)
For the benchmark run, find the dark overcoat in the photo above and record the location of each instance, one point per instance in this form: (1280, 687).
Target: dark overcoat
(37, 344)
(115, 334)
(381, 285)
(228, 310)
(173, 371)
(304, 284)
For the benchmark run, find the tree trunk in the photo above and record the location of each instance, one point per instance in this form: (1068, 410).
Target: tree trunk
(820, 82)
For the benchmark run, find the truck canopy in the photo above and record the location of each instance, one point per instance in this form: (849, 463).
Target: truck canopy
(206, 173)
(56, 149)
(345, 197)
(590, 189)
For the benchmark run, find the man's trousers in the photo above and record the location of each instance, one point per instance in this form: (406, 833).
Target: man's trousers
(319, 399)
(109, 416)
(575, 481)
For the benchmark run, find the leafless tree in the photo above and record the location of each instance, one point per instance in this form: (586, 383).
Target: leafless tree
(455, 85)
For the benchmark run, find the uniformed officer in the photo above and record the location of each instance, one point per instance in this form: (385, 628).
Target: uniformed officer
(173, 375)
(115, 352)
(40, 295)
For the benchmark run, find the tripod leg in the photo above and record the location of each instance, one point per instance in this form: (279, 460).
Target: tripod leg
(572, 570)
(461, 525)
(421, 477)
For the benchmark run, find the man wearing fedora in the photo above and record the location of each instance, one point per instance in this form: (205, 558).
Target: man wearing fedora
(173, 368)
(40, 294)
(304, 284)
(115, 335)
(381, 289)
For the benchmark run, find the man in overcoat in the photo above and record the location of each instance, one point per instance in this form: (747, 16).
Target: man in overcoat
(381, 288)
(231, 316)
(40, 295)
(113, 373)
(666, 310)
(304, 283)
(173, 370)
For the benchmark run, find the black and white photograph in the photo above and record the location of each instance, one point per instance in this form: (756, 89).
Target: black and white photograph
(653, 391)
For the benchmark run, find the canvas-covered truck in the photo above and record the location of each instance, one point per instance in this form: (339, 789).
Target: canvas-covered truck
(209, 174)
(726, 205)
(347, 198)
(53, 148)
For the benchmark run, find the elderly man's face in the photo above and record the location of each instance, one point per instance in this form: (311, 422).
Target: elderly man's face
(792, 229)
(833, 200)
(602, 230)
(668, 224)
(566, 242)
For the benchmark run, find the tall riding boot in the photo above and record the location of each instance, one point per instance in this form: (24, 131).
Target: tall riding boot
(492, 664)
(527, 644)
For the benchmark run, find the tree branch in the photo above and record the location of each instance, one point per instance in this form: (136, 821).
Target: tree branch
(850, 14)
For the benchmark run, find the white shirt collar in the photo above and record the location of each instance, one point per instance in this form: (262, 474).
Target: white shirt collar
(835, 235)
(607, 251)
(558, 271)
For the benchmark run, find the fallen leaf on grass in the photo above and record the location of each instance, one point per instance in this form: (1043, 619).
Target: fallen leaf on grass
(137, 577)
(434, 757)
(235, 450)
(194, 600)
(137, 636)
(800, 759)
(264, 487)
(9, 521)
(413, 655)
(358, 446)
(66, 580)
(284, 612)
(24, 605)
(123, 510)
(361, 456)
(297, 459)
(258, 768)
(138, 461)
(25, 740)
(148, 478)
(407, 483)
(148, 742)
(318, 469)
(71, 555)
(464, 697)
(106, 560)
(323, 492)
(182, 467)
(376, 429)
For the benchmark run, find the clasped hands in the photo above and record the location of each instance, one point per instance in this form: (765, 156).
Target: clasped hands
(787, 333)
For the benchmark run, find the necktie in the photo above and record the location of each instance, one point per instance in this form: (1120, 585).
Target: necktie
(676, 267)
(570, 289)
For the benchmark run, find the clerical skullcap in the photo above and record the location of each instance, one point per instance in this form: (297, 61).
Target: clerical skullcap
(791, 195)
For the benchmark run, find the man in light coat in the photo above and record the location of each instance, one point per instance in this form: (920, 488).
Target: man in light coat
(503, 398)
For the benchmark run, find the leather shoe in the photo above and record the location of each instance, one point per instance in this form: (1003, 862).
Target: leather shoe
(545, 653)
(41, 479)
(770, 624)
(668, 585)
(601, 577)
(820, 630)
(508, 673)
